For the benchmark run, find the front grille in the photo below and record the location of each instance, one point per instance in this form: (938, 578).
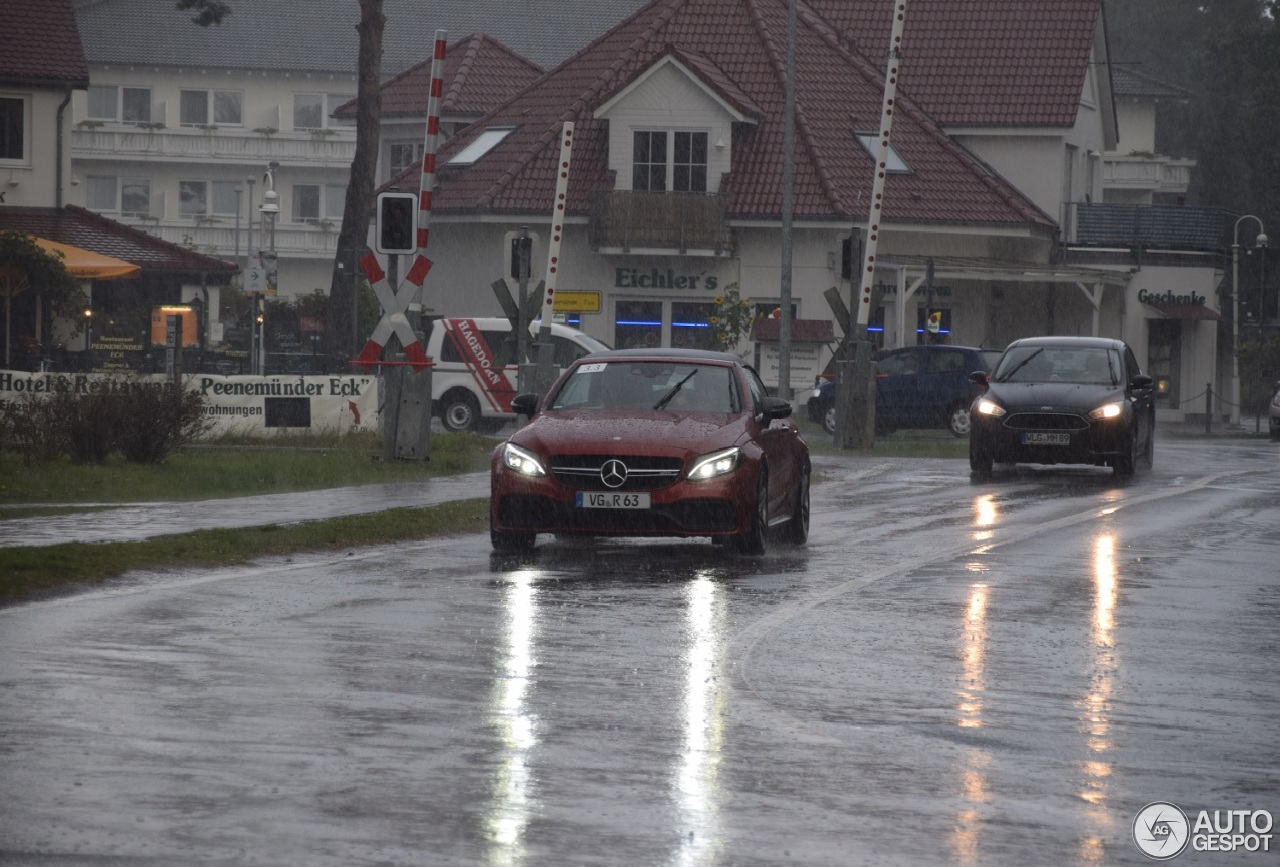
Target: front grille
(1046, 421)
(644, 473)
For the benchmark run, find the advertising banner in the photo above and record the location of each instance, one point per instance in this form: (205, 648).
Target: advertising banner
(254, 405)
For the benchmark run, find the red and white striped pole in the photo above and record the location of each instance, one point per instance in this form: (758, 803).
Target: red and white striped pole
(557, 225)
(882, 160)
(421, 265)
(542, 376)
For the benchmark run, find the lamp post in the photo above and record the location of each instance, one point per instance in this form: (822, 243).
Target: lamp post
(1260, 242)
(88, 335)
(270, 209)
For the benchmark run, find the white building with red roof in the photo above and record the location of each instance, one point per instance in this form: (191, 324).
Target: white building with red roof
(1005, 109)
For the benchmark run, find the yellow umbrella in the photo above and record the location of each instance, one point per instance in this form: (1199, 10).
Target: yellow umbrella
(88, 265)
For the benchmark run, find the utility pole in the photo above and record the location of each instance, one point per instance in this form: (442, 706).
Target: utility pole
(788, 209)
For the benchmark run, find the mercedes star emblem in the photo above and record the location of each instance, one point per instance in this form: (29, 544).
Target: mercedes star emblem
(613, 473)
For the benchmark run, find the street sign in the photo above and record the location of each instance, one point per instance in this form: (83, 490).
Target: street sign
(255, 278)
(577, 302)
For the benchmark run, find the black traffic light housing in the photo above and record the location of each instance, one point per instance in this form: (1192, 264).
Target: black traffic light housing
(521, 250)
(397, 223)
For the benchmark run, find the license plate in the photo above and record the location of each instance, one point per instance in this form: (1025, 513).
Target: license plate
(612, 500)
(1046, 439)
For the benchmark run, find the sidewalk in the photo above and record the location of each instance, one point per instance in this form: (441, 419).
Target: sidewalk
(135, 521)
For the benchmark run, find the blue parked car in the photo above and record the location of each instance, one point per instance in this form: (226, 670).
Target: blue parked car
(916, 387)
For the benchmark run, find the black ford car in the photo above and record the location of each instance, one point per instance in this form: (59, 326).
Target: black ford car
(1064, 400)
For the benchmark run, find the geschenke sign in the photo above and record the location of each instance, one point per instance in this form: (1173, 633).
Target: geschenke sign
(234, 404)
(1169, 298)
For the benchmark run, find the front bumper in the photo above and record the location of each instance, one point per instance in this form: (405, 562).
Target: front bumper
(716, 507)
(1011, 439)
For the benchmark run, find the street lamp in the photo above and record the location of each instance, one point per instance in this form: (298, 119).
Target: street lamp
(1260, 243)
(270, 209)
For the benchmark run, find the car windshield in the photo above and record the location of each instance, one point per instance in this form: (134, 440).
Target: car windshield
(1085, 365)
(675, 386)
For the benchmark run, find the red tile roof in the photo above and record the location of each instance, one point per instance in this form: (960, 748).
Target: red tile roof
(89, 231)
(40, 45)
(981, 62)
(480, 73)
(838, 92)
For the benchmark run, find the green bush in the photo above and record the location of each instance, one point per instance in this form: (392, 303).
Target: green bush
(144, 421)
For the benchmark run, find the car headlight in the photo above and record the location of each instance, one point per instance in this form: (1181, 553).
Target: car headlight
(715, 464)
(522, 461)
(817, 392)
(1275, 401)
(1106, 411)
(990, 407)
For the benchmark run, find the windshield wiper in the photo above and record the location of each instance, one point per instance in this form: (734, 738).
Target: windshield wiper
(1021, 364)
(666, 398)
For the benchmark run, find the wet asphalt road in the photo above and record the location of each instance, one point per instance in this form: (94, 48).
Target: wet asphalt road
(950, 672)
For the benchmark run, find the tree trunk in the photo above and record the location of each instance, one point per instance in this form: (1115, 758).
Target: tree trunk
(340, 337)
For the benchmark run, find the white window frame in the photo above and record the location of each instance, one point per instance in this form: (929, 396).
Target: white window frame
(214, 195)
(96, 184)
(330, 199)
(24, 158)
(329, 103)
(415, 147)
(146, 182)
(211, 107)
(182, 205)
(117, 104)
(669, 159)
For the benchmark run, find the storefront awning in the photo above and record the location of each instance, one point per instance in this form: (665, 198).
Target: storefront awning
(88, 265)
(1183, 311)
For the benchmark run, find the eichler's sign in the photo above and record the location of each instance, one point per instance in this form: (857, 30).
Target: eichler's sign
(652, 278)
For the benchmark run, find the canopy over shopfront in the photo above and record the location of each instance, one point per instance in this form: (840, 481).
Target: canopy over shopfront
(88, 265)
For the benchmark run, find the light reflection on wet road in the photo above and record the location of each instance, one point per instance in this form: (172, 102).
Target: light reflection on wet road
(992, 673)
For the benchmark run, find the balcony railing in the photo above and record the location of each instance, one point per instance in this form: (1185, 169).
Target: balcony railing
(219, 239)
(627, 220)
(1154, 227)
(232, 143)
(1154, 174)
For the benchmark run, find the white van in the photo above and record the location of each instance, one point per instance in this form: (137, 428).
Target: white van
(475, 376)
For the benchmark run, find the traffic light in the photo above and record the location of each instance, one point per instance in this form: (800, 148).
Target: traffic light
(521, 251)
(397, 225)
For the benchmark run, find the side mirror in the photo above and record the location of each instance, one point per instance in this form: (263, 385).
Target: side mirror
(525, 404)
(1142, 381)
(776, 407)
(978, 377)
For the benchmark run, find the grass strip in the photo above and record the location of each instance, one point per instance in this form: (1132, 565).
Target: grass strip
(234, 470)
(40, 571)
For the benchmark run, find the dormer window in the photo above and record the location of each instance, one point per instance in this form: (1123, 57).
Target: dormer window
(894, 164)
(483, 143)
(659, 154)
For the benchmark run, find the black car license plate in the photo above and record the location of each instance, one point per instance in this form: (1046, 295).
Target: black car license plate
(1046, 439)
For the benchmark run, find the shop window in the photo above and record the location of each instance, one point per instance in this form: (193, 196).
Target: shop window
(637, 324)
(691, 325)
(1164, 359)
